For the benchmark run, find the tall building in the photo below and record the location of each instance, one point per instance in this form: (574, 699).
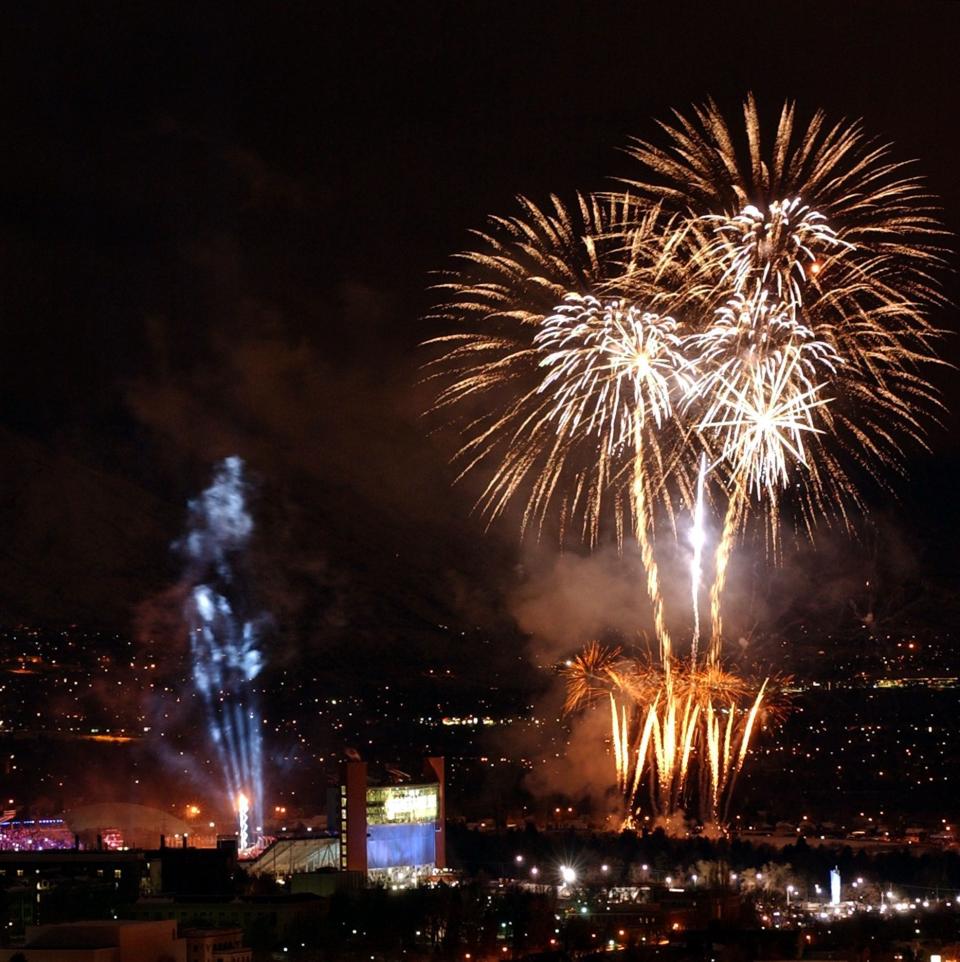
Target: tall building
(392, 830)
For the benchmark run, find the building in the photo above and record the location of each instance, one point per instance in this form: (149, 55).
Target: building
(264, 918)
(173, 870)
(102, 942)
(122, 870)
(64, 885)
(392, 831)
(216, 945)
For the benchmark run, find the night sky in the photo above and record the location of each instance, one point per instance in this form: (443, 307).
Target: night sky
(217, 235)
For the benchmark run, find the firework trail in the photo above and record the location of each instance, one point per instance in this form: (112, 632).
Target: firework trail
(224, 638)
(698, 538)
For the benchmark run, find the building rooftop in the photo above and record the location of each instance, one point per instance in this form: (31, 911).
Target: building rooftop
(94, 934)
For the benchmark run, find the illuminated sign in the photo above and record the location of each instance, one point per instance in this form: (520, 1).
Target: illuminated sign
(403, 804)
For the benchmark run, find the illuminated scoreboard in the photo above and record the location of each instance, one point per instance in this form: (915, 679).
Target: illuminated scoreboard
(403, 804)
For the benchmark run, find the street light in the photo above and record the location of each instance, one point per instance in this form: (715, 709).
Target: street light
(568, 875)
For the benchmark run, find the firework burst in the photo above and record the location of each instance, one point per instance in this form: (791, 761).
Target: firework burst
(816, 254)
(551, 422)
(608, 364)
(747, 324)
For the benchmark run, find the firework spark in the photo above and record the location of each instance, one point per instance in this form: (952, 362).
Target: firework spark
(816, 253)
(555, 424)
(607, 363)
(702, 722)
